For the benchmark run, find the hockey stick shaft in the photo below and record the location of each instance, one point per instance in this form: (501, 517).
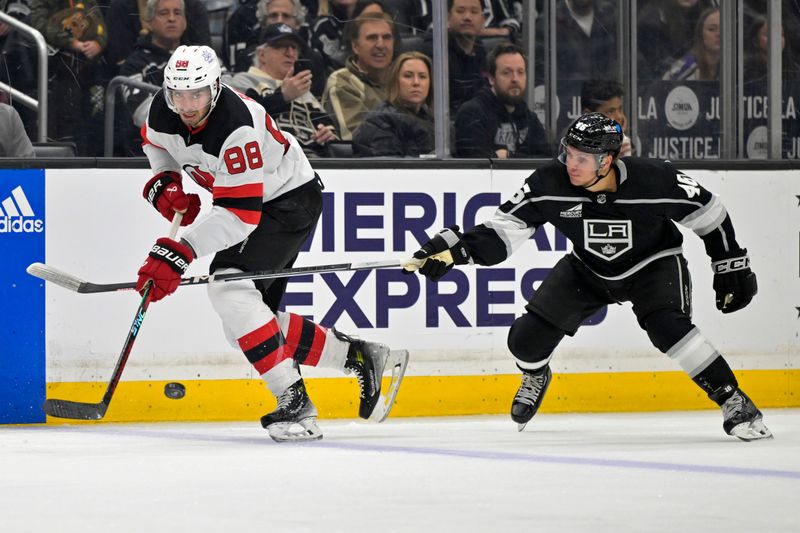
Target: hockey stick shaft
(96, 411)
(76, 284)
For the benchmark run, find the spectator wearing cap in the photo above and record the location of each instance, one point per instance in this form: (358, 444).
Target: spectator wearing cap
(284, 93)
(245, 26)
(359, 87)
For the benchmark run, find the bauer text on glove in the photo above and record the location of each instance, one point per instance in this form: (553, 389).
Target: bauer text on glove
(164, 191)
(167, 261)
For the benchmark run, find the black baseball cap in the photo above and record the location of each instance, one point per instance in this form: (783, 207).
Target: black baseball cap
(277, 32)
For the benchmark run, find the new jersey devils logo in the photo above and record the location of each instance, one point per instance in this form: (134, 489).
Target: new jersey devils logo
(201, 177)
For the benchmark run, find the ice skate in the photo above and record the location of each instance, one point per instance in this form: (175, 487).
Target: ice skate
(368, 361)
(530, 395)
(295, 418)
(742, 418)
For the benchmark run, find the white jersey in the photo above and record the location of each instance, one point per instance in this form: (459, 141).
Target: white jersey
(238, 155)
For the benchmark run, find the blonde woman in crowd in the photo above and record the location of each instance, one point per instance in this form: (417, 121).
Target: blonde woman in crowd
(403, 124)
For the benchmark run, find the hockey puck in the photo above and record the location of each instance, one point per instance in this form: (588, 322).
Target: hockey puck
(174, 391)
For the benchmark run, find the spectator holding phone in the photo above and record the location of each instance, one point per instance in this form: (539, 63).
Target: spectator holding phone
(281, 82)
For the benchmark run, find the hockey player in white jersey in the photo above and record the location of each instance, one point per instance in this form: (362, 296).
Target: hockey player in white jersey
(619, 214)
(266, 202)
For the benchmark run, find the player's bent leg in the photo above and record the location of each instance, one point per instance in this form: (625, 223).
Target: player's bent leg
(673, 333)
(250, 326)
(312, 345)
(532, 340)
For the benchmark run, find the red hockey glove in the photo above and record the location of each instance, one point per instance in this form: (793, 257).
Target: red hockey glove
(734, 283)
(165, 192)
(165, 264)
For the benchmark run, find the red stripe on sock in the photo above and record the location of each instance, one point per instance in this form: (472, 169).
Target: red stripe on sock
(256, 337)
(293, 333)
(270, 361)
(260, 336)
(315, 352)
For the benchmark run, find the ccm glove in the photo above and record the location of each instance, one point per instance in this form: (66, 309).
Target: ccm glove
(165, 192)
(734, 283)
(440, 253)
(165, 264)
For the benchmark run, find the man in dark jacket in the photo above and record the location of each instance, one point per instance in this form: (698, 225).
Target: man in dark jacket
(126, 26)
(587, 41)
(497, 122)
(165, 21)
(466, 56)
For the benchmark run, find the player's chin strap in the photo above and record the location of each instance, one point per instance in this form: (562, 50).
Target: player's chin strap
(598, 177)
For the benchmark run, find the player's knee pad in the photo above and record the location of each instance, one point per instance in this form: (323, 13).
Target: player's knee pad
(665, 327)
(240, 307)
(532, 340)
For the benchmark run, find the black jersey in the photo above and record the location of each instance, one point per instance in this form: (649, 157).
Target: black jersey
(614, 233)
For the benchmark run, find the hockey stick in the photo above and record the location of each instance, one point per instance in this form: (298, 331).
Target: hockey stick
(96, 411)
(74, 283)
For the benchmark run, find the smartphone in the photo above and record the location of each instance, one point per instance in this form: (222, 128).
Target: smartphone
(302, 64)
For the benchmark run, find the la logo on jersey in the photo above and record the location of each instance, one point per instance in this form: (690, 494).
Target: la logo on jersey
(17, 216)
(608, 239)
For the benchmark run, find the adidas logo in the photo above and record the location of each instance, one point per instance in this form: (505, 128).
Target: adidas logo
(572, 212)
(17, 216)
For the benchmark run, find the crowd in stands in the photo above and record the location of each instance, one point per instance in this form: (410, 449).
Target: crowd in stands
(359, 72)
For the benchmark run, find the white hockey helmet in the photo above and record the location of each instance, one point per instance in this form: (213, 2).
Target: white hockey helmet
(192, 67)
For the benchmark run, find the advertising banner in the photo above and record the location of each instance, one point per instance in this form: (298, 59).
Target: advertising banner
(458, 326)
(22, 342)
(99, 228)
(681, 119)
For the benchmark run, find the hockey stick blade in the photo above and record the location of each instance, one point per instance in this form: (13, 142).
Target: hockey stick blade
(74, 410)
(96, 411)
(53, 275)
(74, 283)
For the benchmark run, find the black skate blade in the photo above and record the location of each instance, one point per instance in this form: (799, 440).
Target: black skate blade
(520, 427)
(74, 410)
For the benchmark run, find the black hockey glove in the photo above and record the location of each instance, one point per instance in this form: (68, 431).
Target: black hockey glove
(440, 253)
(734, 282)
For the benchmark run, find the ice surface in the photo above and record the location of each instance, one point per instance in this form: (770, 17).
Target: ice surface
(590, 472)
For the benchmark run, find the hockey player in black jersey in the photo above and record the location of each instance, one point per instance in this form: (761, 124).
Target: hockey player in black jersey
(266, 200)
(620, 215)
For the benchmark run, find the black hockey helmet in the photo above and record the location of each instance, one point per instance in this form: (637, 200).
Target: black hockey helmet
(594, 133)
